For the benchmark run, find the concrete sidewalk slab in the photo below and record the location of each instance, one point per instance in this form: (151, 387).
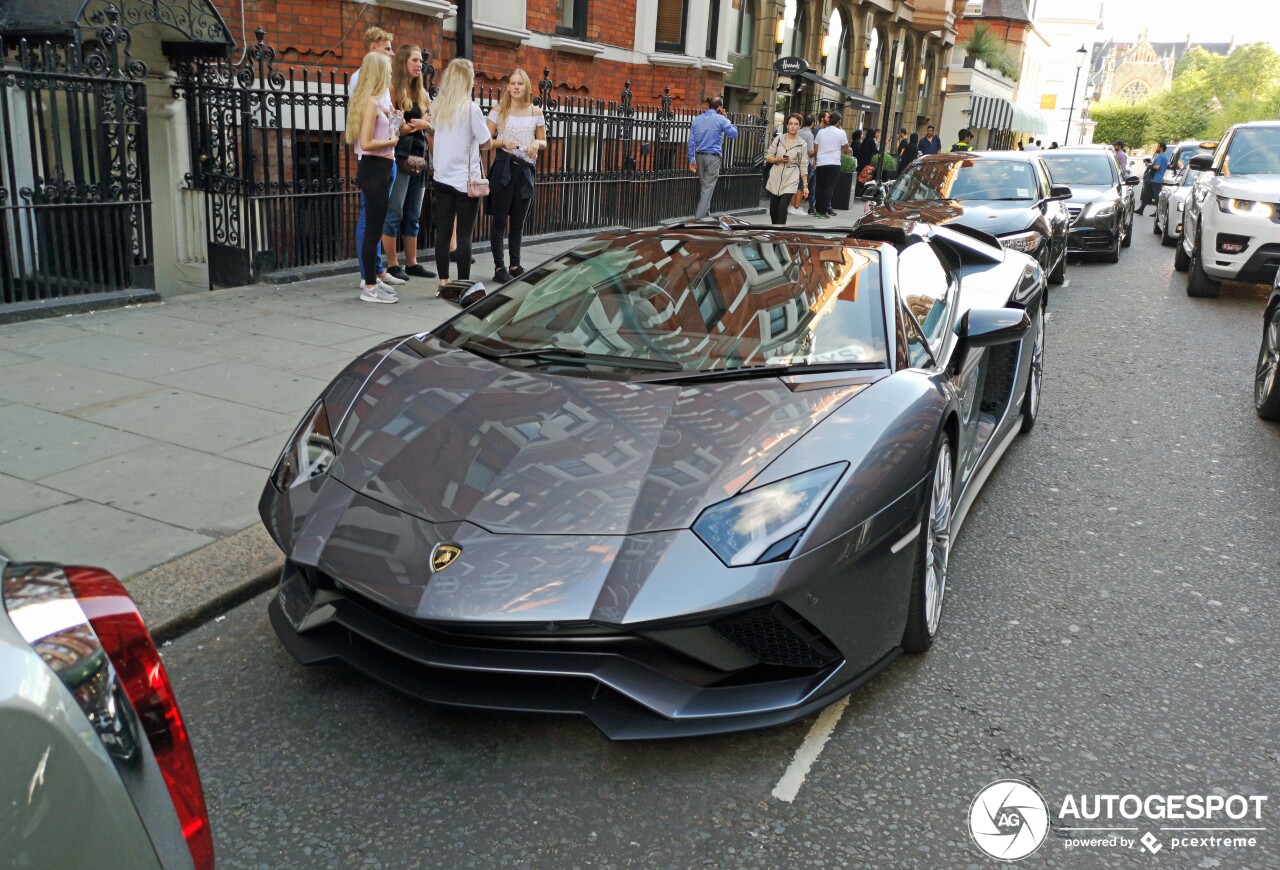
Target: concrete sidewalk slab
(54, 386)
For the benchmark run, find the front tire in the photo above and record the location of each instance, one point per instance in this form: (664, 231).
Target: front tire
(1181, 260)
(929, 584)
(1266, 386)
(1031, 398)
(1167, 240)
(1128, 233)
(1199, 284)
(1058, 276)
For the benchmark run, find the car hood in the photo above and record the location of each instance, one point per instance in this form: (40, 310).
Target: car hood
(448, 436)
(1258, 187)
(1083, 194)
(996, 218)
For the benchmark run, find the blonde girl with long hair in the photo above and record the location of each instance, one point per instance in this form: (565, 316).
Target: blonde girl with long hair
(369, 130)
(519, 133)
(460, 132)
(409, 96)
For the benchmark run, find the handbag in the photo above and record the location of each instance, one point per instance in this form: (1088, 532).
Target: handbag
(477, 188)
(412, 165)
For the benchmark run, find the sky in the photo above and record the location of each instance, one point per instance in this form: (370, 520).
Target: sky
(1216, 21)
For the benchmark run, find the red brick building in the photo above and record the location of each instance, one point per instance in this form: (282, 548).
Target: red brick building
(591, 47)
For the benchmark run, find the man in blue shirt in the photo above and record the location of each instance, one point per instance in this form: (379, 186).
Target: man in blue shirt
(930, 144)
(705, 136)
(1159, 163)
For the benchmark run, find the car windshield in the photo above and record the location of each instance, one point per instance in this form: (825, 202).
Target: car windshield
(1253, 151)
(981, 178)
(1079, 168)
(685, 302)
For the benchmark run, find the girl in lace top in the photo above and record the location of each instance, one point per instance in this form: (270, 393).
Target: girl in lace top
(519, 134)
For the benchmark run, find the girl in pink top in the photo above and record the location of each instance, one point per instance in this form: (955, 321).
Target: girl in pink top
(370, 130)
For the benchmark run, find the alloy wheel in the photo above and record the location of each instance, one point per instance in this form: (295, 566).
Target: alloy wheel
(1268, 361)
(937, 543)
(1037, 370)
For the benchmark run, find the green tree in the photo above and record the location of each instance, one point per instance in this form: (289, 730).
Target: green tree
(1119, 120)
(1211, 92)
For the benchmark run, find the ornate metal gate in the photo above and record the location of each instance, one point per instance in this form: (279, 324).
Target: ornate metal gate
(75, 203)
(267, 152)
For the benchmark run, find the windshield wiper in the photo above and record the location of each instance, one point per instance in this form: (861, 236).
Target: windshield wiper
(573, 356)
(766, 371)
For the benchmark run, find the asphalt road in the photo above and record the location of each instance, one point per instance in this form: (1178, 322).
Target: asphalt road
(1110, 629)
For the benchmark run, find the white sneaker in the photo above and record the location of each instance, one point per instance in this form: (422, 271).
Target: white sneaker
(797, 211)
(388, 278)
(379, 293)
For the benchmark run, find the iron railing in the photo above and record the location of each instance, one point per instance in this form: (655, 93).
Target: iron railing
(279, 181)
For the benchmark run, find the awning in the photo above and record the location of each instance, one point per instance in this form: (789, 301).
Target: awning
(858, 101)
(997, 113)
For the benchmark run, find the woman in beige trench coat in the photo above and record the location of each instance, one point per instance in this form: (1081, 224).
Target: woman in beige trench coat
(789, 172)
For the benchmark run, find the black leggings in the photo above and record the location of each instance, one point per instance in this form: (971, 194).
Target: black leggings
(778, 208)
(452, 203)
(373, 176)
(498, 228)
(826, 182)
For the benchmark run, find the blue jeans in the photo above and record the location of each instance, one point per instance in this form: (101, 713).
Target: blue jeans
(360, 221)
(813, 187)
(405, 206)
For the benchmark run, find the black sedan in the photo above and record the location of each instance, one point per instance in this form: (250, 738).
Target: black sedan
(680, 481)
(1007, 194)
(1101, 205)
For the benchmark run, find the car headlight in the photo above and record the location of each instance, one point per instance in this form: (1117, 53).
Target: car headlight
(1100, 209)
(764, 524)
(1025, 242)
(1227, 205)
(310, 452)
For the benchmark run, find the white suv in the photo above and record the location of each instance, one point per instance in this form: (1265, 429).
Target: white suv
(1231, 226)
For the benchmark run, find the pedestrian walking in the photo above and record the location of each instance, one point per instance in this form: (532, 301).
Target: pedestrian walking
(963, 140)
(908, 151)
(789, 159)
(799, 202)
(519, 133)
(930, 143)
(830, 144)
(1121, 157)
(379, 40)
(706, 135)
(1032, 146)
(1154, 177)
(460, 131)
(369, 128)
(404, 206)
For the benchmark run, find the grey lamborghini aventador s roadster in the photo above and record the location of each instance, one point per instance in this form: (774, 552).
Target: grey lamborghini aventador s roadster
(681, 481)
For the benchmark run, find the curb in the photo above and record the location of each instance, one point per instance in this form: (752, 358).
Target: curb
(186, 592)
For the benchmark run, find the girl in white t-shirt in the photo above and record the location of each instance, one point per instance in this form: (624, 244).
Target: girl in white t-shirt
(519, 133)
(460, 131)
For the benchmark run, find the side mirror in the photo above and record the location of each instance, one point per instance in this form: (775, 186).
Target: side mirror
(462, 293)
(1201, 162)
(986, 327)
(1058, 192)
(1131, 180)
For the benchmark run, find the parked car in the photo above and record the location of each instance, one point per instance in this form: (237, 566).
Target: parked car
(1230, 228)
(96, 768)
(681, 481)
(1100, 206)
(1266, 385)
(1171, 205)
(1007, 194)
(1181, 153)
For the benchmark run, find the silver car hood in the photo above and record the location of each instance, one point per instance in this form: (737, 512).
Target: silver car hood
(448, 436)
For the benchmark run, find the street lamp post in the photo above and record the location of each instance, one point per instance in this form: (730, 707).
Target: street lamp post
(894, 72)
(1081, 53)
(779, 34)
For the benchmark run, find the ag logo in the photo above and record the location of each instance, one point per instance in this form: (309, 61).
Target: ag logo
(443, 555)
(1008, 820)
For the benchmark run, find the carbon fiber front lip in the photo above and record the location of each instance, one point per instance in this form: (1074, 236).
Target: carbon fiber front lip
(624, 699)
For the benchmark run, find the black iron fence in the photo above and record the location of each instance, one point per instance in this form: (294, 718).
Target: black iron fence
(278, 180)
(75, 204)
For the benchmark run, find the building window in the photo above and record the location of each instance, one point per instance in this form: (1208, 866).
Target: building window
(875, 52)
(744, 26)
(571, 18)
(670, 32)
(797, 19)
(713, 28)
(837, 61)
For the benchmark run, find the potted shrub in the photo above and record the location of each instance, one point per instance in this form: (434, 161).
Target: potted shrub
(843, 194)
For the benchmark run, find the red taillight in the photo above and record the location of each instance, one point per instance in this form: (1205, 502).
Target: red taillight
(127, 642)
